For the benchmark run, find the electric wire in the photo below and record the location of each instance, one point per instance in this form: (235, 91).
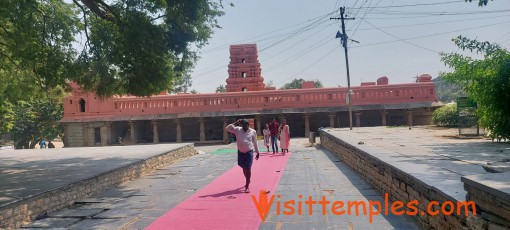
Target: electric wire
(430, 35)
(399, 39)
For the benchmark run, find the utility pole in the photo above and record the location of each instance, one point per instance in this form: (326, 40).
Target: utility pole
(344, 38)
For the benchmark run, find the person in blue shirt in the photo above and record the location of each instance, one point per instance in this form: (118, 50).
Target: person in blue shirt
(42, 144)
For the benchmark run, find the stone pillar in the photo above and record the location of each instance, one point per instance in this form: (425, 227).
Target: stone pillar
(332, 120)
(427, 117)
(66, 135)
(202, 128)
(109, 128)
(383, 117)
(106, 133)
(258, 122)
(103, 133)
(86, 132)
(132, 129)
(91, 136)
(410, 118)
(155, 133)
(178, 133)
(306, 116)
(358, 119)
(225, 133)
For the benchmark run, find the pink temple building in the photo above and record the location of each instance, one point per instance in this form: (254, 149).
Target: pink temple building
(89, 121)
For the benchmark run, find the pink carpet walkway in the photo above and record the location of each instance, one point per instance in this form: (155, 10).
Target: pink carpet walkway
(222, 204)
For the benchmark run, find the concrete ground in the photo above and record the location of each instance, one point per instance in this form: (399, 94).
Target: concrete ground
(434, 142)
(310, 171)
(436, 156)
(28, 172)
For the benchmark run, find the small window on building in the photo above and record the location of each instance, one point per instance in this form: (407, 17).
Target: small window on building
(243, 61)
(243, 74)
(82, 105)
(71, 101)
(245, 89)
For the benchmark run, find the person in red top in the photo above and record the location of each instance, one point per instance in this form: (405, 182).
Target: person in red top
(273, 128)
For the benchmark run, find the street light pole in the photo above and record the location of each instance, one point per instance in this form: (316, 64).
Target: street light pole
(343, 36)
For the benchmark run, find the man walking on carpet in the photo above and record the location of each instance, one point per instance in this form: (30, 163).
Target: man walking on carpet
(246, 139)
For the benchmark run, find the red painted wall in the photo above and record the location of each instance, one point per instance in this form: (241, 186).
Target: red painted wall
(122, 108)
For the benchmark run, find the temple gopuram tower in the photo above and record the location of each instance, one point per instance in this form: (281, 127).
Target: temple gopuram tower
(244, 72)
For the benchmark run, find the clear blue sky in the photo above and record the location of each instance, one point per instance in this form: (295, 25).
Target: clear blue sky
(296, 39)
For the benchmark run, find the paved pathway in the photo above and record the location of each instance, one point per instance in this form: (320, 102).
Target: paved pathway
(309, 172)
(316, 172)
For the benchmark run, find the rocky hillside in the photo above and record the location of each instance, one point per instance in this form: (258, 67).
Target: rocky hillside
(446, 91)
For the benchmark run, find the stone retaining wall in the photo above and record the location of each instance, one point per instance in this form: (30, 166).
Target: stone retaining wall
(20, 212)
(491, 193)
(399, 185)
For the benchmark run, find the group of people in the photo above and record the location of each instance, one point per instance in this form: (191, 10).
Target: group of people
(43, 144)
(273, 132)
(246, 139)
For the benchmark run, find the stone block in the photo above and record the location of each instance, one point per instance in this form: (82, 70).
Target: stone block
(495, 219)
(118, 213)
(403, 186)
(53, 223)
(494, 226)
(99, 200)
(103, 223)
(78, 213)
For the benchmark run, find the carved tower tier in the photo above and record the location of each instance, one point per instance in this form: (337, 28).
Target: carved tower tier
(244, 72)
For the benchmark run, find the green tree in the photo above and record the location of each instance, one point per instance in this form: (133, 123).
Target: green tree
(128, 46)
(446, 115)
(487, 81)
(296, 84)
(37, 36)
(6, 117)
(221, 89)
(194, 91)
(181, 84)
(18, 93)
(35, 121)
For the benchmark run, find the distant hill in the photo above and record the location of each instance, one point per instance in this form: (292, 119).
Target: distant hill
(446, 91)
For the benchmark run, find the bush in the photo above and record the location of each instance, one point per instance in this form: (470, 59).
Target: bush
(445, 116)
(485, 80)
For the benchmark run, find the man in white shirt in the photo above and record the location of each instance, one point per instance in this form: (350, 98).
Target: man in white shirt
(246, 138)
